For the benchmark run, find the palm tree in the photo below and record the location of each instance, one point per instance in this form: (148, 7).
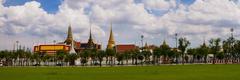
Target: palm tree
(183, 44)
(215, 47)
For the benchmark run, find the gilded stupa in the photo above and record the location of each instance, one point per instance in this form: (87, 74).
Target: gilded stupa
(111, 42)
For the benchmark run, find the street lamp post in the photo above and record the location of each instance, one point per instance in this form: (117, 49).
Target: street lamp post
(142, 41)
(17, 44)
(176, 37)
(231, 41)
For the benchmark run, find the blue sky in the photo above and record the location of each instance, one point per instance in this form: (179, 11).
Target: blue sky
(51, 6)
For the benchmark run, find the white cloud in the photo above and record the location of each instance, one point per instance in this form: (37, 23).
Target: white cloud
(160, 4)
(203, 18)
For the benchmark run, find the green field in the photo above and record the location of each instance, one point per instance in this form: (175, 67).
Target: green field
(170, 72)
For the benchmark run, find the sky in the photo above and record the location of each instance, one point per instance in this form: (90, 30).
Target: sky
(33, 22)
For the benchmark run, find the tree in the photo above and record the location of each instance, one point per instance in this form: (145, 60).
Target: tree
(215, 48)
(120, 58)
(193, 53)
(165, 50)
(61, 54)
(204, 51)
(183, 44)
(36, 57)
(127, 55)
(71, 59)
(237, 50)
(93, 56)
(84, 57)
(147, 55)
(100, 55)
(111, 53)
(156, 55)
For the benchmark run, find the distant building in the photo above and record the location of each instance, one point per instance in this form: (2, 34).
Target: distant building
(51, 49)
(121, 48)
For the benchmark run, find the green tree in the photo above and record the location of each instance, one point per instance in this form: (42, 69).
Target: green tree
(183, 44)
(147, 55)
(193, 52)
(111, 53)
(84, 57)
(127, 56)
(61, 54)
(100, 55)
(71, 59)
(214, 48)
(120, 58)
(156, 55)
(165, 50)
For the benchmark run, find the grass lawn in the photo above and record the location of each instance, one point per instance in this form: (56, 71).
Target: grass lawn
(176, 72)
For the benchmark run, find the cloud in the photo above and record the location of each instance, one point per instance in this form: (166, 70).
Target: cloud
(155, 19)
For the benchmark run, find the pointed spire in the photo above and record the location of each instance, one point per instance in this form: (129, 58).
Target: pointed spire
(204, 42)
(111, 42)
(90, 40)
(164, 42)
(90, 33)
(69, 39)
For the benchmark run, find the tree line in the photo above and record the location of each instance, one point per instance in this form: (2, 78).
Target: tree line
(216, 51)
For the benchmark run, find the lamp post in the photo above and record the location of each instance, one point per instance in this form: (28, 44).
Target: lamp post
(231, 42)
(232, 32)
(142, 41)
(17, 44)
(176, 37)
